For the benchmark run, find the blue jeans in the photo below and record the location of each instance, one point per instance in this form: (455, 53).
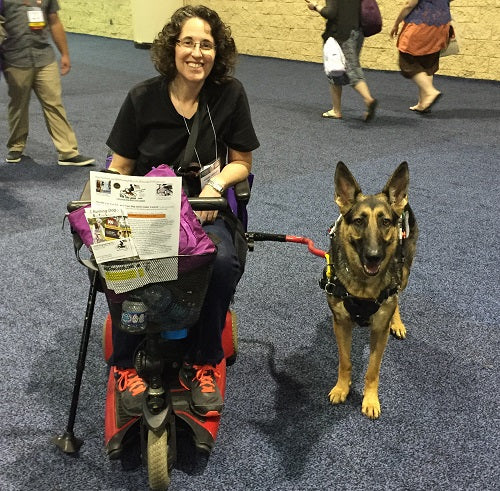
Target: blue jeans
(204, 338)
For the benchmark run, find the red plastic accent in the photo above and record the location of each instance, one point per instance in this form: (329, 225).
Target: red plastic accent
(108, 338)
(227, 336)
(309, 242)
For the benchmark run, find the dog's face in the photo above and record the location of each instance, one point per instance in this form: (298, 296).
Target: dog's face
(370, 223)
(371, 233)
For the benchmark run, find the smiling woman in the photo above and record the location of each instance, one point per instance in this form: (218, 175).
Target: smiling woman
(163, 48)
(193, 64)
(195, 94)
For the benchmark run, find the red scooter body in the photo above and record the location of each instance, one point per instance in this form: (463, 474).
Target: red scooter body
(204, 429)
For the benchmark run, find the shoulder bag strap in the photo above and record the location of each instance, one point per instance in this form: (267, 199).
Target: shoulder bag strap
(186, 161)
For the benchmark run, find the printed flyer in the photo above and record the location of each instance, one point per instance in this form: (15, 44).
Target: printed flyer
(135, 223)
(144, 210)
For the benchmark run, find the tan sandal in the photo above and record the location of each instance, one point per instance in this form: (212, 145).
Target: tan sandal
(331, 114)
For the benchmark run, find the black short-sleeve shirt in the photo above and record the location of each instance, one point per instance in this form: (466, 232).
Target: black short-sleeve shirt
(149, 130)
(342, 17)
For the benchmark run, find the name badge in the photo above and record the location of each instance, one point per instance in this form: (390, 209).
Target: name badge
(209, 171)
(36, 19)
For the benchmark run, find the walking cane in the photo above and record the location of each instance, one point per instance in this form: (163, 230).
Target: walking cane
(67, 442)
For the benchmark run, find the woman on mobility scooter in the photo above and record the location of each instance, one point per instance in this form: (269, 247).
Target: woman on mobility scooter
(194, 117)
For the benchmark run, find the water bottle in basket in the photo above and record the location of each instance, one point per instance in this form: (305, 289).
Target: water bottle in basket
(168, 311)
(134, 313)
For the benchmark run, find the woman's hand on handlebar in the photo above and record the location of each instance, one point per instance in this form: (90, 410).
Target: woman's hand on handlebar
(238, 169)
(208, 216)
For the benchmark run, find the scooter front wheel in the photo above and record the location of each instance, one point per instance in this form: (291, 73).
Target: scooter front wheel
(158, 460)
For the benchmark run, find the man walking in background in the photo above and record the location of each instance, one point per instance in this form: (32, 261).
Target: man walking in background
(30, 64)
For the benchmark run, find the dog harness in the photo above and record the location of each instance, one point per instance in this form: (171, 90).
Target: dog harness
(360, 309)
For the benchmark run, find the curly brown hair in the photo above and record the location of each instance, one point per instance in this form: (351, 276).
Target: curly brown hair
(163, 47)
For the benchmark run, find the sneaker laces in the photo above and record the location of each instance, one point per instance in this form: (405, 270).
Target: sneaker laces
(129, 380)
(206, 376)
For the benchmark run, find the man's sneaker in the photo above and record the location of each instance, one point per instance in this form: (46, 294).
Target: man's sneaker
(130, 390)
(206, 399)
(14, 156)
(78, 161)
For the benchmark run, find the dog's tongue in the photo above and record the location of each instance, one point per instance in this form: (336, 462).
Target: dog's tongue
(372, 268)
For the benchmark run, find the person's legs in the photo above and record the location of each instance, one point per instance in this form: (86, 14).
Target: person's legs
(420, 70)
(129, 387)
(352, 49)
(205, 349)
(205, 337)
(371, 104)
(47, 87)
(198, 374)
(427, 93)
(19, 81)
(336, 94)
(362, 89)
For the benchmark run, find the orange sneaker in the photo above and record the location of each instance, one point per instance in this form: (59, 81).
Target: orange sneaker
(130, 390)
(206, 399)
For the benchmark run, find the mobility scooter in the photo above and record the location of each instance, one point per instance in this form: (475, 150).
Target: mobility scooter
(162, 313)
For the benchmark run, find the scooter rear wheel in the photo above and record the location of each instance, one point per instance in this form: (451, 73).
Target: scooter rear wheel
(158, 460)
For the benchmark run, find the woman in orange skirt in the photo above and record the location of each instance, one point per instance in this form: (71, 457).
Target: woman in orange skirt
(425, 32)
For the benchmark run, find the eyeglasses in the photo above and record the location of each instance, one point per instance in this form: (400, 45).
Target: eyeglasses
(189, 43)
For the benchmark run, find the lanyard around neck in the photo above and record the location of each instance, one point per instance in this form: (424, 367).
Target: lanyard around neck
(190, 149)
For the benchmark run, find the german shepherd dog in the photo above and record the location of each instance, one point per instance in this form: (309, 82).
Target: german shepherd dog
(372, 247)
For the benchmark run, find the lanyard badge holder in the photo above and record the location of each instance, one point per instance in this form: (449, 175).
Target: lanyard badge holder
(36, 19)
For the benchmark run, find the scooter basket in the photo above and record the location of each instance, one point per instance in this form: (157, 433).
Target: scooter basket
(173, 289)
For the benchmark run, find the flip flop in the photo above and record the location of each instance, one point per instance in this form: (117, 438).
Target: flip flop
(331, 115)
(419, 111)
(370, 110)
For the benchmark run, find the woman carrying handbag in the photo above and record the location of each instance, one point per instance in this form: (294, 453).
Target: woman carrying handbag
(343, 24)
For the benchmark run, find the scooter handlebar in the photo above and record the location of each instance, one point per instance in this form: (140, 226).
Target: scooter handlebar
(198, 204)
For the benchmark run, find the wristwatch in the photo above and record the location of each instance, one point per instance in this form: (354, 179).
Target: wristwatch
(214, 184)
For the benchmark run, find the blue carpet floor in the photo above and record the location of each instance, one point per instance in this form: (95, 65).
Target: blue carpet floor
(439, 427)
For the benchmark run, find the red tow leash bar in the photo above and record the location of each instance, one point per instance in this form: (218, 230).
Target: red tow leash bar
(310, 244)
(262, 237)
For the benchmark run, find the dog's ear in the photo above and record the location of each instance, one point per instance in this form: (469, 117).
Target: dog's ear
(346, 188)
(396, 188)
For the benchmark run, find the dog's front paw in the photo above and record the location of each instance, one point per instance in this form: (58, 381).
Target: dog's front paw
(398, 330)
(371, 406)
(338, 394)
